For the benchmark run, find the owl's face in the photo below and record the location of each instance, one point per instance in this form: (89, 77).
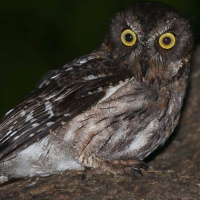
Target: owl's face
(155, 42)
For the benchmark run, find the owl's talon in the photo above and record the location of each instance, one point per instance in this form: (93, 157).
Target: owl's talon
(143, 165)
(122, 166)
(139, 166)
(137, 169)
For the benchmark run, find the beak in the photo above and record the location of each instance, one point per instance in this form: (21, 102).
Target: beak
(144, 65)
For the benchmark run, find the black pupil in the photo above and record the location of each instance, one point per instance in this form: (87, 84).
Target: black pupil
(128, 37)
(166, 40)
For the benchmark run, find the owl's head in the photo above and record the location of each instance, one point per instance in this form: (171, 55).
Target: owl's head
(153, 38)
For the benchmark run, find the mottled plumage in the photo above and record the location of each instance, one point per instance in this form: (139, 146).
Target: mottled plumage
(107, 110)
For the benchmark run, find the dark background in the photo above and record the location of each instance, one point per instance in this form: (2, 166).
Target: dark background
(39, 35)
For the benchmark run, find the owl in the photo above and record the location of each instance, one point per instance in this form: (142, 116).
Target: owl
(107, 110)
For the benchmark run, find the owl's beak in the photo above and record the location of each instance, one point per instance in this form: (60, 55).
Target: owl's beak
(144, 66)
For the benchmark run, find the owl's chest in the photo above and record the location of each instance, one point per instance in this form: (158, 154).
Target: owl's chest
(130, 123)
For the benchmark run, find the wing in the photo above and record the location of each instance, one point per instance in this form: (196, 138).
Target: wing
(62, 95)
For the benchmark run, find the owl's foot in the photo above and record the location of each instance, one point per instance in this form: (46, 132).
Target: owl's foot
(122, 166)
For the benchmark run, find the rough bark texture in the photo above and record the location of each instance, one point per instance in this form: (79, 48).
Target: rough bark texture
(174, 169)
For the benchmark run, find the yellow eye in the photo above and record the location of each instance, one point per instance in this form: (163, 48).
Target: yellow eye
(167, 40)
(128, 37)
